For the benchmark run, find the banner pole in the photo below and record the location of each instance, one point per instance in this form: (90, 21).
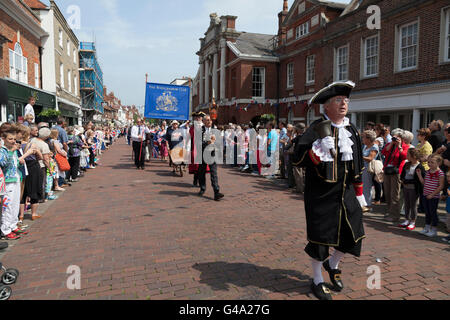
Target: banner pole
(142, 137)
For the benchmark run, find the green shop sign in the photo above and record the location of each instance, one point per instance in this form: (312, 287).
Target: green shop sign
(21, 93)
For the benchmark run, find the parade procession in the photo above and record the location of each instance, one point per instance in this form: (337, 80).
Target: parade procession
(306, 159)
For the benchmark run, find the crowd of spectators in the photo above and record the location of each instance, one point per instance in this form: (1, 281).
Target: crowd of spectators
(38, 161)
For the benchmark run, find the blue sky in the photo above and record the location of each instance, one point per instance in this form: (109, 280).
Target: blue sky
(135, 37)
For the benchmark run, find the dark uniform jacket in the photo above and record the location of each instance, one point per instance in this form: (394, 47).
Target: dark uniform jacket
(330, 197)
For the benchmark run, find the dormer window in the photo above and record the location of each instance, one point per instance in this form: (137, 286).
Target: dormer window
(302, 30)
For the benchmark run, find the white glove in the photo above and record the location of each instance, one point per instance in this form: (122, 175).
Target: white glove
(362, 201)
(327, 143)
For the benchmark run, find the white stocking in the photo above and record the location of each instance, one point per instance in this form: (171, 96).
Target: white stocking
(335, 259)
(317, 271)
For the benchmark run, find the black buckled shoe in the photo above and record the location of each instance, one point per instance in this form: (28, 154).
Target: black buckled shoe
(218, 196)
(321, 291)
(335, 276)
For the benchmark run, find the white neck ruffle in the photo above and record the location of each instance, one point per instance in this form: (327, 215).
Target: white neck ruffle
(345, 143)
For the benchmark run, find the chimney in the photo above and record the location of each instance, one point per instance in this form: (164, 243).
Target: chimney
(229, 23)
(285, 6)
(281, 17)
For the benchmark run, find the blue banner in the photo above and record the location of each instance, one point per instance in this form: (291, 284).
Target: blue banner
(166, 101)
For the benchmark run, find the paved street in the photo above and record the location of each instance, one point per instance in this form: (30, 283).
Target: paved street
(147, 235)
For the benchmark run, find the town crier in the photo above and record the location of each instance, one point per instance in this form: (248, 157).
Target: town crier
(331, 152)
(198, 124)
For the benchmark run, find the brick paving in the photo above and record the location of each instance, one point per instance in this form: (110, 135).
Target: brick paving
(147, 235)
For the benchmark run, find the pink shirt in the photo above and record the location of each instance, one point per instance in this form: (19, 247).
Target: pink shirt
(431, 182)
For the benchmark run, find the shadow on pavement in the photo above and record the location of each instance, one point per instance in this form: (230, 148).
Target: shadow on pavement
(176, 184)
(122, 166)
(219, 275)
(178, 193)
(378, 223)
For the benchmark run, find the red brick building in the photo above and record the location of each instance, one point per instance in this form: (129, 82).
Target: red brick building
(20, 65)
(111, 105)
(235, 69)
(401, 71)
(301, 31)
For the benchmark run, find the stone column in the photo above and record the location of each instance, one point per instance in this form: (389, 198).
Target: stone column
(415, 124)
(223, 45)
(201, 94)
(206, 81)
(214, 76)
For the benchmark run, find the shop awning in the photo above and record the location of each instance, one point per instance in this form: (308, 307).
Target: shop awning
(21, 92)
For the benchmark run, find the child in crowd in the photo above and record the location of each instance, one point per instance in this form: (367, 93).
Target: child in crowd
(447, 208)
(9, 163)
(412, 188)
(52, 174)
(433, 184)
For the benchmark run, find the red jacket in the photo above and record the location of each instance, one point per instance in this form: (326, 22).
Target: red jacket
(397, 159)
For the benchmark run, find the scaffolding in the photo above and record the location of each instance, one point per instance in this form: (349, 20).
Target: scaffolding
(91, 78)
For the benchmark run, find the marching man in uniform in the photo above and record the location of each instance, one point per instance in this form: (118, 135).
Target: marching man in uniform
(138, 137)
(197, 126)
(331, 152)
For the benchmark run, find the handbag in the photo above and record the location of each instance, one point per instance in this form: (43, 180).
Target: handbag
(63, 163)
(390, 171)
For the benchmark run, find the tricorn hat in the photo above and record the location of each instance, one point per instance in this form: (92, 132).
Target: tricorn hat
(333, 90)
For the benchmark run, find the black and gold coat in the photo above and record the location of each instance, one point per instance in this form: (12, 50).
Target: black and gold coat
(330, 197)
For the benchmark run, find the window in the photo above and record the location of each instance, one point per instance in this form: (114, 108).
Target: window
(371, 56)
(258, 82)
(342, 63)
(408, 37)
(25, 71)
(18, 64)
(60, 35)
(68, 48)
(75, 86)
(61, 75)
(11, 64)
(310, 69)
(36, 75)
(290, 75)
(447, 36)
(74, 56)
(302, 30)
(69, 80)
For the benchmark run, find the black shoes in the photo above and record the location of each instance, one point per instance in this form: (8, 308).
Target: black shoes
(335, 276)
(218, 196)
(321, 291)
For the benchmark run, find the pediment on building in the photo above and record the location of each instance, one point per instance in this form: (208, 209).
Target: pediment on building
(301, 7)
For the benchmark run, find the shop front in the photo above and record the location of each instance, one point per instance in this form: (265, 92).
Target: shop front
(70, 111)
(17, 95)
